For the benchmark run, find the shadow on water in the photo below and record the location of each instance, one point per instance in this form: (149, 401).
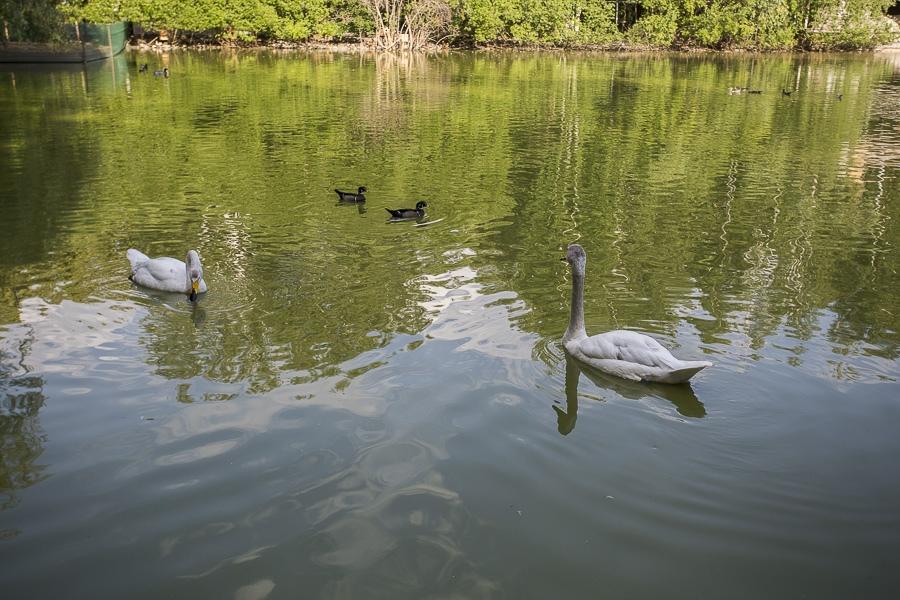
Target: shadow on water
(681, 396)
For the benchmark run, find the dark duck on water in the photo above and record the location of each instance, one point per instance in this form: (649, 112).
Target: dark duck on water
(409, 213)
(359, 196)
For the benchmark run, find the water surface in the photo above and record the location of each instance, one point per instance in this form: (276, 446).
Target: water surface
(368, 409)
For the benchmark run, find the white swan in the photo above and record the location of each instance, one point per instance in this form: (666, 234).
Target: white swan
(626, 354)
(168, 274)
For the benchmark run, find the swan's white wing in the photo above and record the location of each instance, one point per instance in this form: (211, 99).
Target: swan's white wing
(628, 346)
(136, 257)
(634, 356)
(164, 273)
(164, 268)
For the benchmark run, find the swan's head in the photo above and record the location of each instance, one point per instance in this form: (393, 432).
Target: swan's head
(576, 257)
(194, 273)
(361, 189)
(421, 204)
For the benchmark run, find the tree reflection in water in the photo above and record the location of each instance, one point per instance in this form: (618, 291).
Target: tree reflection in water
(21, 435)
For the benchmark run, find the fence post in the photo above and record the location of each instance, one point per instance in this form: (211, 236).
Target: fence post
(80, 38)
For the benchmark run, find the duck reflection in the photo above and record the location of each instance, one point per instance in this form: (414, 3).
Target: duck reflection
(681, 395)
(359, 207)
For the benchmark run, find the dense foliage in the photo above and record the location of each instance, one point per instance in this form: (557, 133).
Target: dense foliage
(757, 24)
(32, 20)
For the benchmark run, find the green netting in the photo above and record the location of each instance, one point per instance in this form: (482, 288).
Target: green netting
(84, 42)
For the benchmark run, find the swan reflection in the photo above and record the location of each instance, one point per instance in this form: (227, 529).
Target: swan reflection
(681, 396)
(198, 315)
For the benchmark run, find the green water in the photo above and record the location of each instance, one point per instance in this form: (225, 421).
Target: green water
(363, 409)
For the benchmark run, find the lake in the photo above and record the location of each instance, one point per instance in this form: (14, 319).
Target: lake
(366, 409)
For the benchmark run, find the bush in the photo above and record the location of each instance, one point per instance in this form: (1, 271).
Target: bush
(656, 30)
(854, 35)
(742, 24)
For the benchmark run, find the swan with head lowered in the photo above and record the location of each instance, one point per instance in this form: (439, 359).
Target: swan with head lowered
(626, 354)
(168, 274)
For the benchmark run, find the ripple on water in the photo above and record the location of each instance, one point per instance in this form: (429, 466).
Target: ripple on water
(374, 557)
(390, 464)
(198, 448)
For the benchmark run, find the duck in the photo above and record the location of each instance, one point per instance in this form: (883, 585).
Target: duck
(626, 354)
(408, 213)
(359, 196)
(143, 68)
(168, 274)
(785, 92)
(163, 73)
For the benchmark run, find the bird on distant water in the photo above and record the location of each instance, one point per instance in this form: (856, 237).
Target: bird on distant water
(409, 213)
(785, 92)
(168, 274)
(359, 196)
(163, 73)
(143, 68)
(623, 353)
(740, 90)
(840, 97)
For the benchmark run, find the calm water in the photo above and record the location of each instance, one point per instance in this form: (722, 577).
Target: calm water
(360, 409)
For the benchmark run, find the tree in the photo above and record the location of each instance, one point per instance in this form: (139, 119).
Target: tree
(31, 20)
(408, 23)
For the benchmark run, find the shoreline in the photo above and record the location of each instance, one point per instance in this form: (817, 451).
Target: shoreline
(367, 47)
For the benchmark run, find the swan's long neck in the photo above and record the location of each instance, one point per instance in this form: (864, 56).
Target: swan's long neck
(576, 317)
(191, 263)
(187, 282)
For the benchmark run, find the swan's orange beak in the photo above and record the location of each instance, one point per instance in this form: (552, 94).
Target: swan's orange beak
(195, 286)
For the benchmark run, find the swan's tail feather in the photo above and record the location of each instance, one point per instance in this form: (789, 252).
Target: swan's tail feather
(135, 257)
(686, 370)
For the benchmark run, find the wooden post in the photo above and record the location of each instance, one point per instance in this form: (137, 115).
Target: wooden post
(78, 37)
(112, 63)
